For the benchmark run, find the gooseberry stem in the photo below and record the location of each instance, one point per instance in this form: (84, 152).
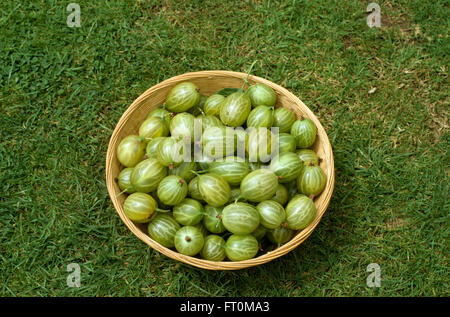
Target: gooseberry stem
(237, 198)
(248, 74)
(123, 191)
(201, 111)
(196, 173)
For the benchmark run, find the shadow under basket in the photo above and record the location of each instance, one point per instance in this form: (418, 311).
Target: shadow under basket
(210, 82)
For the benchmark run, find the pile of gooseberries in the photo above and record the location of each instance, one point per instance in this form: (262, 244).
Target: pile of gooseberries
(225, 176)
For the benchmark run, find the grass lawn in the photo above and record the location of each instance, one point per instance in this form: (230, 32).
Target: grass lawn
(62, 91)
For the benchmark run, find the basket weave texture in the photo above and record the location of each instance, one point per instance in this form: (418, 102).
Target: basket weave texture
(210, 82)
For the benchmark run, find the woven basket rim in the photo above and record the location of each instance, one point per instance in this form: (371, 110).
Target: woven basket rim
(299, 237)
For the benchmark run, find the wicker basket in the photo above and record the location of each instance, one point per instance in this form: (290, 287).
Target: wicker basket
(210, 82)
